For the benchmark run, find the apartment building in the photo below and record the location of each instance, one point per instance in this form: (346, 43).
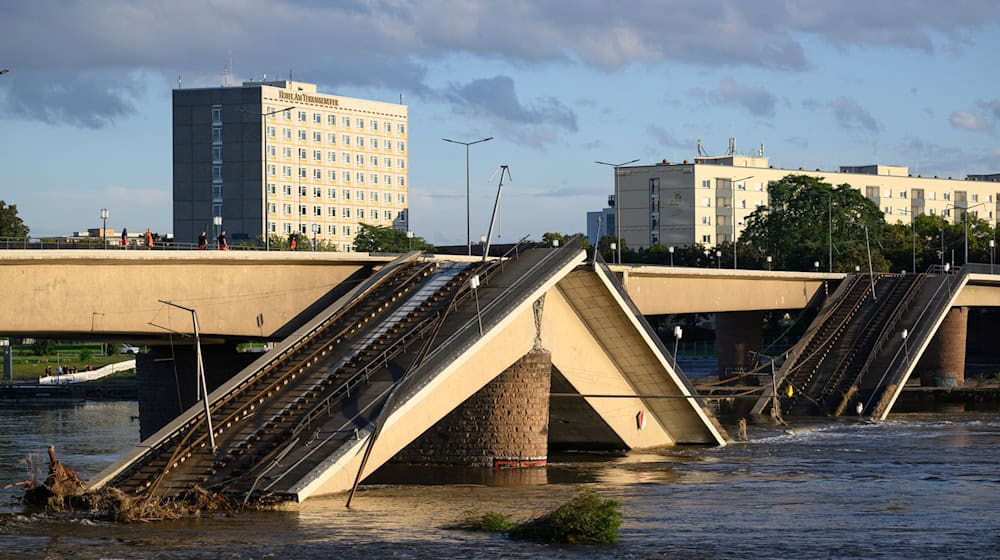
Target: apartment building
(708, 200)
(280, 157)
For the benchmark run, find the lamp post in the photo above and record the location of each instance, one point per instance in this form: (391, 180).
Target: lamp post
(769, 262)
(618, 205)
(718, 259)
(263, 120)
(217, 222)
(468, 235)
(678, 333)
(965, 218)
(409, 239)
(993, 244)
(868, 249)
(315, 229)
(671, 251)
(104, 228)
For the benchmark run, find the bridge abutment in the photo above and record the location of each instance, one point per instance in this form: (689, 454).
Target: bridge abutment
(943, 363)
(737, 334)
(167, 380)
(503, 425)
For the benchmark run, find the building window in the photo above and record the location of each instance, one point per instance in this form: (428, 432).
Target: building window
(331, 156)
(374, 179)
(288, 114)
(902, 194)
(361, 123)
(317, 155)
(331, 120)
(887, 210)
(387, 179)
(402, 128)
(216, 134)
(216, 154)
(303, 190)
(272, 131)
(318, 192)
(272, 188)
(347, 194)
(402, 164)
(317, 118)
(347, 176)
(287, 189)
(347, 231)
(302, 172)
(346, 140)
(932, 195)
(287, 227)
(706, 220)
(331, 230)
(402, 181)
(331, 193)
(374, 161)
(332, 138)
(303, 210)
(317, 210)
(361, 141)
(216, 172)
(347, 212)
(287, 208)
(945, 196)
(933, 212)
(217, 191)
(706, 184)
(401, 198)
(360, 159)
(706, 202)
(304, 229)
(302, 135)
(286, 151)
(361, 213)
(332, 211)
(216, 114)
(287, 133)
(706, 238)
(360, 177)
(272, 208)
(975, 198)
(302, 116)
(317, 137)
(388, 215)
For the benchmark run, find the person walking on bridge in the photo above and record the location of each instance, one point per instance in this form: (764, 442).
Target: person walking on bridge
(293, 240)
(203, 241)
(124, 237)
(149, 239)
(222, 241)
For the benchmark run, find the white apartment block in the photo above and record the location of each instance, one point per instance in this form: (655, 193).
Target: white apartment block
(708, 201)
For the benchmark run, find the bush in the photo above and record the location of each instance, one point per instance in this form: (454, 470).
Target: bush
(43, 347)
(490, 522)
(586, 519)
(86, 354)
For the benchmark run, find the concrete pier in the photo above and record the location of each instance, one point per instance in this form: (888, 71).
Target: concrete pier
(943, 364)
(737, 334)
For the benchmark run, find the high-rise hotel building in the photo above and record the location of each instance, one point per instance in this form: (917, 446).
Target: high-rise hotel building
(280, 157)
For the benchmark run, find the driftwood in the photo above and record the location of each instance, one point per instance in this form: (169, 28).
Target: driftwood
(63, 490)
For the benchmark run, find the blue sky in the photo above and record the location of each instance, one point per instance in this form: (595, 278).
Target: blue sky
(85, 108)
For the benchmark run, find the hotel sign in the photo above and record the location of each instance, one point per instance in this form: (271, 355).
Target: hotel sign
(306, 98)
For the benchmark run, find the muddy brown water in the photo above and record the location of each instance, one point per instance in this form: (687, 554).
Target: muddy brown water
(916, 486)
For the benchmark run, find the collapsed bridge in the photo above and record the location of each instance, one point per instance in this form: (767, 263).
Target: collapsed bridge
(385, 368)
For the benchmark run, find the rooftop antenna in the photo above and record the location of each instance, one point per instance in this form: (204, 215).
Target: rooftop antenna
(400, 98)
(178, 81)
(701, 151)
(761, 150)
(732, 146)
(289, 74)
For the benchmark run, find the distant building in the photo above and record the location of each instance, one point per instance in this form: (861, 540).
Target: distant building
(330, 163)
(708, 201)
(601, 223)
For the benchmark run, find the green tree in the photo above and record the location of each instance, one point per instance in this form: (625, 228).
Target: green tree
(805, 213)
(382, 239)
(11, 224)
(43, 347)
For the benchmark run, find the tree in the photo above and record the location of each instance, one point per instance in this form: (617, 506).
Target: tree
(796, 227)
(11, 224)
(382, 239)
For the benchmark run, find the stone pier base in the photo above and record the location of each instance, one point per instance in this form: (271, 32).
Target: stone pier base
(943, 363)
(504, 425)
(737, 334)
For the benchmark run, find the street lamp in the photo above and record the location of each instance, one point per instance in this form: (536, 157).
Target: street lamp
(992, 247)
(671, 251)
(409, 239)
(468, 235)
(315, 229)
(104, 228)
(965, 218)
(618, 205)
(718, 259)
(769, 262)
(217, 222)
(868, 249)
(678, 333)
(263, 120)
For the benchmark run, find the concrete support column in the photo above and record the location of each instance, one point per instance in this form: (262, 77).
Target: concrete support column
(737, 334)
(504, 425)
(943, 363)
(167, 376)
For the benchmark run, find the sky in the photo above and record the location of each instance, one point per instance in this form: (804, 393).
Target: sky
(86, 105)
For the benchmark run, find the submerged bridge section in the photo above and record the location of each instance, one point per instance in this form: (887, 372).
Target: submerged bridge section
(863, 345)
(417, 340)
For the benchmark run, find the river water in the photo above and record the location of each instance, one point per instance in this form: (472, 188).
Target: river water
(916, 486)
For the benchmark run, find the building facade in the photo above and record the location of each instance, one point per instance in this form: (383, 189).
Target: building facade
(279, 157)
(708, 201)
